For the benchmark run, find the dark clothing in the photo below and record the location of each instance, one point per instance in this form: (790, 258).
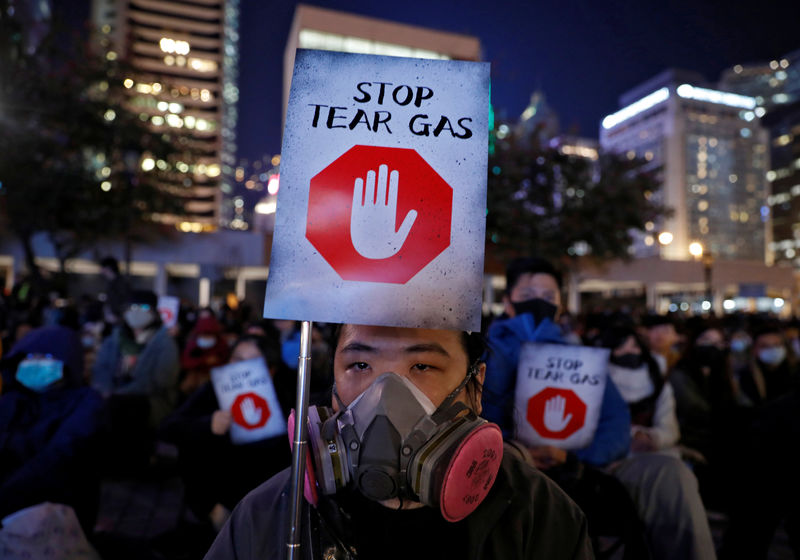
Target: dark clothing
(761, 384)
(49, 448)
(213, 469)
(767, 483)
(525, 515)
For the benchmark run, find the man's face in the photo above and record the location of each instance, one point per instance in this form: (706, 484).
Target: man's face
(533, 286)
(434, 360)
(661, 338)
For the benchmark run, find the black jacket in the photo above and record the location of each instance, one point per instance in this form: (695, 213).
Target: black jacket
(525, 515)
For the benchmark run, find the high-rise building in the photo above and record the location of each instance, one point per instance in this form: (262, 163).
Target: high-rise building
(185, 59)
(712, 155)
(325, 29)
(775, 86)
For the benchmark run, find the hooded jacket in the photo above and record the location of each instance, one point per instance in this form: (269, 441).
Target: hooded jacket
(49, 441)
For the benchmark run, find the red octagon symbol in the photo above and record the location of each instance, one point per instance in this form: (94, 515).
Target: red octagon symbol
(420, 188)
(253, 415)
(573, 405)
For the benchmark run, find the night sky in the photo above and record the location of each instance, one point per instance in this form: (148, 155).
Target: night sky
(582, 53)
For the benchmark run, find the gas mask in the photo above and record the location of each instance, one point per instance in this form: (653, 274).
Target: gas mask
(392, 442)
(37, 373)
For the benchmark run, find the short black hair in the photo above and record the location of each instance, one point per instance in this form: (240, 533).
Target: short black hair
(532, 265)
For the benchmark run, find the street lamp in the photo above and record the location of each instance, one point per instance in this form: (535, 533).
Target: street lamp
(697, 251)
(665, 238)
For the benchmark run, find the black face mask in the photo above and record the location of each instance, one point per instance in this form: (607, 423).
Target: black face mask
(628, 361)
(708, 355)
(539, 308)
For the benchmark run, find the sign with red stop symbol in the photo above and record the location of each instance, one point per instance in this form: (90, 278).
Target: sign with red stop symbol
(381, 211)
(245, 389)
(559, 394)
(250, 411)
(379, 214)
(556, 413)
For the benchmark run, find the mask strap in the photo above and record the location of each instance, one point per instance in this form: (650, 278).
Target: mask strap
(444, 408)
(328, 430)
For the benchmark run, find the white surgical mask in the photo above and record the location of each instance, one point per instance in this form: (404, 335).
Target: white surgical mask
(137, 318)
(206, 342)
(773, 355)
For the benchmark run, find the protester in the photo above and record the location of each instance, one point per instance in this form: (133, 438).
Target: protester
(523, 515)
(663, 489)
(662, 339)
(650, 399)
(51, 426)
(205, 348)
(136, 368)
(216, 472)
(772, 371)
(532, 303)
(705, 395)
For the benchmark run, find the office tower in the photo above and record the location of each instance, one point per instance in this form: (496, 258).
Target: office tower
(324, 29)
(711, 153)
(775, 85)
(185, 57)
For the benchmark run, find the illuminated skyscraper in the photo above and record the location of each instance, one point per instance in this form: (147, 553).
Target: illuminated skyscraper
(185, 56)
(324, 29)
(712, 156)
(775, 85)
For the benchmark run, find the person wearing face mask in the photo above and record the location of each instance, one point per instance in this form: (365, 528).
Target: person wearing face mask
(772, 370)
(532, 305)
(401, 465)
(217, 473)
(654, 426)
(136, 369)
(51, 426)
(205, 348)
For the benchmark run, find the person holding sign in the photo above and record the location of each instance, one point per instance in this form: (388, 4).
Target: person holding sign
(385, 380)
(217, 471)
(532, 303)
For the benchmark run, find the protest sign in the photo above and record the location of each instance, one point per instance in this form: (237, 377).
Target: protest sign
(168, 308)
(381, 211)
(245, 388)
(559, 394)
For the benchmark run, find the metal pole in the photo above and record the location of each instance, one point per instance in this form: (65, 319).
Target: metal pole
(300, 443)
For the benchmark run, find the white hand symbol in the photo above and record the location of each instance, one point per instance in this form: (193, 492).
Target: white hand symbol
(554, 419)
(250, 413)
(374, 216)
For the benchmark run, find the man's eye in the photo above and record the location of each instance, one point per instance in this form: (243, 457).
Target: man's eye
(422, 367)
(360, 366)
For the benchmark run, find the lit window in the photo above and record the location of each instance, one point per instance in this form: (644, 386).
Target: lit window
(202, 65)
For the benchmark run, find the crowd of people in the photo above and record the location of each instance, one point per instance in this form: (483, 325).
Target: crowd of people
(699, 414)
